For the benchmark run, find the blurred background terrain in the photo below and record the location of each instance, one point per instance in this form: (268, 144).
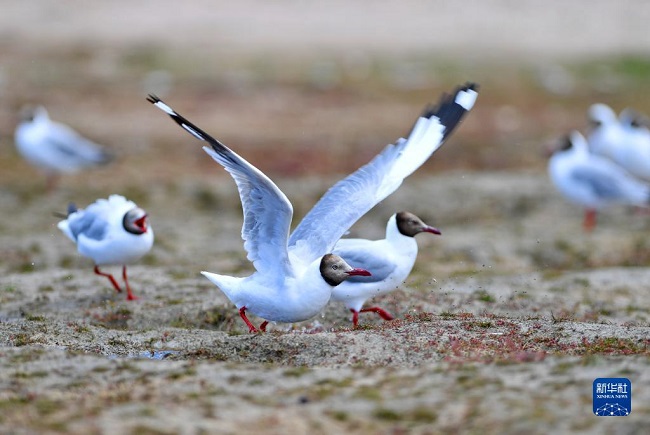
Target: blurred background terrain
(290, 80)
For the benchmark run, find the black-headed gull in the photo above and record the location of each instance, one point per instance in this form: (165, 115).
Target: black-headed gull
(624, 139)
(604, 130)
(593, 181)
(390, 259)
(636, 155)
(289, 284)
(55, 148)
(111, 231)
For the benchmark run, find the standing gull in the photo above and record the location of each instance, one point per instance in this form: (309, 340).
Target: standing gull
(635, 152)
(111, 231)
(624, 139)
(593, 181)
(390, 259)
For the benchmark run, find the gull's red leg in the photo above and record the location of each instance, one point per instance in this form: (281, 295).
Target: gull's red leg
(242, 314)
(110, 277)
(129, 294)
(51, 181)
(382, 313)
(355, 317)
(590, 220)
(263, 325)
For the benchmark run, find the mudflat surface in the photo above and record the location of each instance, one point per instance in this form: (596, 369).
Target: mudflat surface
(493, 309)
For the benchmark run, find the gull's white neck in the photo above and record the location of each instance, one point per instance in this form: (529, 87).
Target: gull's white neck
(399, 241)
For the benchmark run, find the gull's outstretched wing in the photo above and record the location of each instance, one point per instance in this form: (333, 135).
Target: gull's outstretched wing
(267, 211)
(349, 199)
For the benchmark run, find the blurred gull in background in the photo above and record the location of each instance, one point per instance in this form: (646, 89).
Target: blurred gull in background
(624, 139)
(55, 148)
(593, 181)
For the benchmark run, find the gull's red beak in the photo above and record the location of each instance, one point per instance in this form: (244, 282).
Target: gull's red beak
(358, 272)
(432, 230)
(142, 223)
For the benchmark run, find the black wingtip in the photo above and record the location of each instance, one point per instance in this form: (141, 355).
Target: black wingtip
(188, 126)
(470, 86)
(447, 99)
(447, 110)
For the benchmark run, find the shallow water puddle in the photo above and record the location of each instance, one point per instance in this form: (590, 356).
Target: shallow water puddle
(149, 354)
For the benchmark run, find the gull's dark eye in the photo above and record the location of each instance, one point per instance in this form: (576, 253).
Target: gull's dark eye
(335, 266)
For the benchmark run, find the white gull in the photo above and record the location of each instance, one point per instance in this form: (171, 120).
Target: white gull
(55, 148)
(286, 287)
(636, 148)
(593, 181)
(623, 139)
(390, 260)
(111, 231)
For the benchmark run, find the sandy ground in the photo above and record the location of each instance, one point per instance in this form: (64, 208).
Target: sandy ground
(496, 331)
(503, 325)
